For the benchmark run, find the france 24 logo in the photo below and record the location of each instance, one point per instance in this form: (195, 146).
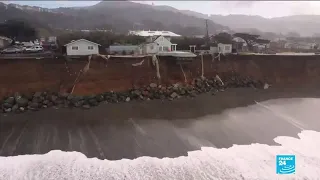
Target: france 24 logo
(286, 164)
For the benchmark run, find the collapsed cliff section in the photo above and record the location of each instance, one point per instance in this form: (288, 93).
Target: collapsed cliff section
(118, 74)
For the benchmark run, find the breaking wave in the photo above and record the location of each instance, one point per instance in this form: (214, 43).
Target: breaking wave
(255, 161)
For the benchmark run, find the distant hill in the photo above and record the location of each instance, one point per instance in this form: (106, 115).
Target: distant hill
(120, 16)
(305, 25)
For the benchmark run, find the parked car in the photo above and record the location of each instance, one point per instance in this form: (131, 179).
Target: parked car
(11, 50)
(34, 49)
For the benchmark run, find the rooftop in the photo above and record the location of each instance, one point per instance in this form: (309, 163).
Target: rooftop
(154, 33)
(73, 41)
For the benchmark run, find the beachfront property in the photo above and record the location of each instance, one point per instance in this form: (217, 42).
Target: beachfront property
(4, 41)
(300, 45)
(82, 47)
(224, 48)
(161, 38)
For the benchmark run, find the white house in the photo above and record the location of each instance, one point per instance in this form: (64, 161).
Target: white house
(161, 38)
(157, 44)
(149, 48)
(300, 45)
(82, 47)
(224, 48)
(4, 41)
(164, 44)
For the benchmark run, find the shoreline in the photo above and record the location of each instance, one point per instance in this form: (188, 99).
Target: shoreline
(181, 108)
(151, 128)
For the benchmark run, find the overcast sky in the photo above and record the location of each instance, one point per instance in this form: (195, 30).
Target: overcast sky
(263, 8)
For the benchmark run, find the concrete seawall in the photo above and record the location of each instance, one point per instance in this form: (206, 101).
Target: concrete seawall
(118, 74)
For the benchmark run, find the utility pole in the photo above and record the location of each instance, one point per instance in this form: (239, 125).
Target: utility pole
(207, 33)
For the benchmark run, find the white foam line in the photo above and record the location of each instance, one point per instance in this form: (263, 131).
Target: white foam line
(253, 162)
(286, 117)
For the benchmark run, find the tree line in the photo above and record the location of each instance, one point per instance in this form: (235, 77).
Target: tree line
(18, 30)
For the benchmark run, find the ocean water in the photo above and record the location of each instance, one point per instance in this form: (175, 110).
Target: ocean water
(252, 161)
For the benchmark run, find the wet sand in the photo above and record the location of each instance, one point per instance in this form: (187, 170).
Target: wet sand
(159, 129)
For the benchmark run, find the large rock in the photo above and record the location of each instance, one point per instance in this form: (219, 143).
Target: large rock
(37, 94)
(28, 96)
(38, 99)
(100, 98)
(54, 98)
(46, 102)
(34, 105)
(17, 96)
(93, 102)
(153, 85)
(162, 97)
(68, 97)
(7, 105)
(63, 95)
(86, 106)
(193, 93)
(145, 93)
(176, 86)
(91, 96)
(78, 103)
(135, 94)
(58, 102)
(9, 100)
(22, 102)
(15, 108)
(182, 92)
(199, 84)
(174, 95)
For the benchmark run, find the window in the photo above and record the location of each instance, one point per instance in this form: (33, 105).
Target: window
(74, 47)
(151, 47)
(90, 47)
(227, 48)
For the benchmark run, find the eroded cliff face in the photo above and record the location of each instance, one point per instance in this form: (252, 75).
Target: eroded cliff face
(26, 76)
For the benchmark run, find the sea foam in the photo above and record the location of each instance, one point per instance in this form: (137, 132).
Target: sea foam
(255, 161)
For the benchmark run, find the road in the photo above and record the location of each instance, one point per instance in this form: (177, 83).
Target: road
(45, 54)
(163, 129)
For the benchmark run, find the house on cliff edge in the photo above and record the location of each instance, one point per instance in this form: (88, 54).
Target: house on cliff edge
(81, 47)
(156, 41)
(156, 44)
(4, 42)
